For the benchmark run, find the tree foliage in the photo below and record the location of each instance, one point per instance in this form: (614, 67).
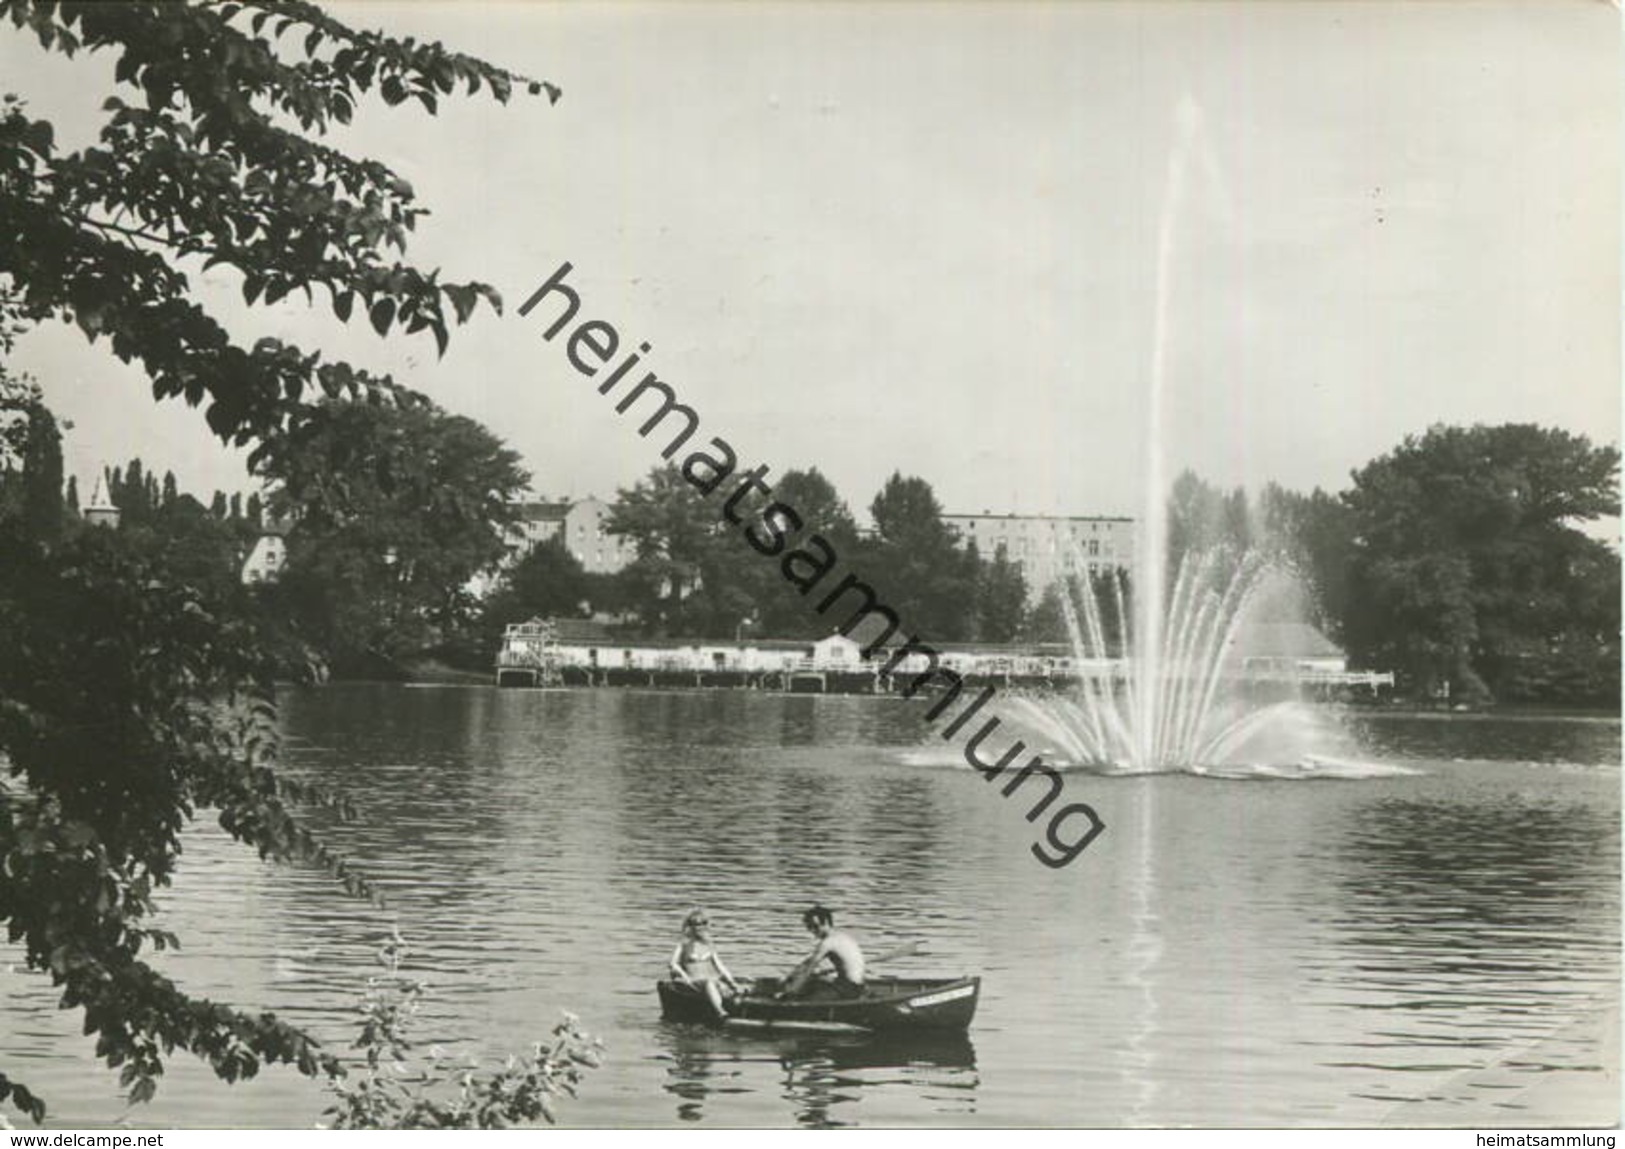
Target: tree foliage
(1001, 596)
(917, 562)
(398, 1089)
(549, 582)
(1452, 560)
(1465, 563)
(681, 548)
(1314, 533)
(1307, 535)
(695, 574)
(211, 154)
(1046, 622)
(776, 611)
(394, 510)
(132, 693)
(109, 750)
(30, 458)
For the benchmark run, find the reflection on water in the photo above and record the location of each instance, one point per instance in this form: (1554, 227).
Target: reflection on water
(1436, 944)
(823, 1078)
(1528, 737)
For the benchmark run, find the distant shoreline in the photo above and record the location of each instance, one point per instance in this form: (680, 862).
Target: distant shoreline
(1512, 712)
(434, 673)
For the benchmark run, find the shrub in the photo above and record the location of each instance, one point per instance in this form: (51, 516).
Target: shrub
(399, 1091)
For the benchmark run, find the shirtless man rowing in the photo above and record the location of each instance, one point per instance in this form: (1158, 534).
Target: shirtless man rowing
(838, 947)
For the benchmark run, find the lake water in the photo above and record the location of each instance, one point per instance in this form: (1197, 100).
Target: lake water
(1438, 946)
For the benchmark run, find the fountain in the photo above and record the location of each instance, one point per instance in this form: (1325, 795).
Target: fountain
(1177, 704)
(1172, 705)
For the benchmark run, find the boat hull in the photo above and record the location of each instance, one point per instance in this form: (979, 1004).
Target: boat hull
(887, 1005)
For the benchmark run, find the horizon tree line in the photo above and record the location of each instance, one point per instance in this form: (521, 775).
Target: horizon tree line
(1453, 560)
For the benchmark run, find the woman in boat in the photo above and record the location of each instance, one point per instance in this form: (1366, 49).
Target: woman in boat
(696, 963)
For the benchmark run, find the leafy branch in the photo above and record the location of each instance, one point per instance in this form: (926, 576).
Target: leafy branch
(396, 1090)
(203, 167)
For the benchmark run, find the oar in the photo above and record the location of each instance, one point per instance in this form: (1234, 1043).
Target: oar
(902, 951)
(911, 948)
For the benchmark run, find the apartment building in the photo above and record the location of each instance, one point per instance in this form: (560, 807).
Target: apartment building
(1047, 546)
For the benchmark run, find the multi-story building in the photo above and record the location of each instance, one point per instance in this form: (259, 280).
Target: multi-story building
(535, 521)
(586, 536)
(1047, 546)
(580, 525)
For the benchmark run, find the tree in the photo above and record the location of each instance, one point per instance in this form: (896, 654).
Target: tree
(549, 582)
(684, 578)
(1046, 622)
(397, 1091)
(91, 236)
(820, 505)
(1001, 597)
(132, 495)
(203, 551)
(917, 564)
(30, 458)
(1464, 562)
(777, 611)
(396, 509)
(1204, 519)
(1313, 535)
(1196, 518)
(108, 749)
(129, 698)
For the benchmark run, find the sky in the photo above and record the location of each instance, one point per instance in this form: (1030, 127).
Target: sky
(933, 238)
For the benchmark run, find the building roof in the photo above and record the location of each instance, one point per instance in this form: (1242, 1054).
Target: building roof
(98, 497)
(585, 632)
(535, 511)
(1011, 649)
(581, 630)
(1013, 517)
(629, 643)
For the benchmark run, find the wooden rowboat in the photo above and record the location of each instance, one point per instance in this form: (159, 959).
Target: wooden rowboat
(888, 1004)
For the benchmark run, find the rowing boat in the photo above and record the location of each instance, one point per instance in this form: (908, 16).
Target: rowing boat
(887, 1004)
